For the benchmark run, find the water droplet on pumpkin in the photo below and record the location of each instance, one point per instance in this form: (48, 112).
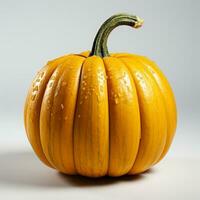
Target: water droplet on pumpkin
(50, 84)
(42, 74)
(116, 100)
(79, 116)
(119, 94)
(56, 94)
(139, 76)
(37, 80)
(33, 97)
(64, 83)
(98, 98)
(86, 97)
(66, 117)
(62, 106)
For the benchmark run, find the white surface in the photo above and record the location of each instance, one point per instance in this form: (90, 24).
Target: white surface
(23, 176)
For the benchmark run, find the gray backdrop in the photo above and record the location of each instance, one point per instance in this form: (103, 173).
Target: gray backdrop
(33, 32)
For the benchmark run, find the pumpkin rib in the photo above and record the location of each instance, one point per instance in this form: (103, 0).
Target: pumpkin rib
(46, 110)
(138, 106)
(74, 171)
(79, 84)
(133, 56)
(167, 94)
(124, 129)
(164, 102)
(46, 134)
(37, 147)
(59, 165)
(56, 62)
(79, 78)
(168, 99)
(151, 145)
(28, 98)
(89, 157)
(91, 120)
(34, 103)
(62, 149)
(109, 137)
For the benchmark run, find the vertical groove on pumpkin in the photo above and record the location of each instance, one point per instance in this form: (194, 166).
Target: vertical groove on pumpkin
(169, 135)
(164, 103)
(161, 145)
(75, 113)
(130, 171)
(26, 109)
(50, 146)
(55, 63)
(63, 97)
(60, 152)
(40, 113)
(150, 74)
(124, 131)
(41, 79)
(146, 67)
(58, 166)
(138, 109)
(108, 119)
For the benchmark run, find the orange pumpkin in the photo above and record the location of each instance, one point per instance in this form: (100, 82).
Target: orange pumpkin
(99, 114)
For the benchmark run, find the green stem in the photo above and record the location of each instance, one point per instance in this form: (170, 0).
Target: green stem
(99, 47)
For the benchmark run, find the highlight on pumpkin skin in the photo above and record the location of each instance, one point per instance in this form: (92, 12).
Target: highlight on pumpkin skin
(33, 106)
(166, 91)
(57, 114)
(153, 117)
(97, 113)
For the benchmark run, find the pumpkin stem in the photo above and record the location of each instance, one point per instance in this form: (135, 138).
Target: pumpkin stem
(99, 47)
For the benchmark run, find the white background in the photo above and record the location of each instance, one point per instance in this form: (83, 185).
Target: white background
(33, 32)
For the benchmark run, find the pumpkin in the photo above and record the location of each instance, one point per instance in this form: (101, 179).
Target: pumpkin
(98, 114)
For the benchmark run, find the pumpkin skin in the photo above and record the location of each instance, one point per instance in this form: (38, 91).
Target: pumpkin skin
(99, 115)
